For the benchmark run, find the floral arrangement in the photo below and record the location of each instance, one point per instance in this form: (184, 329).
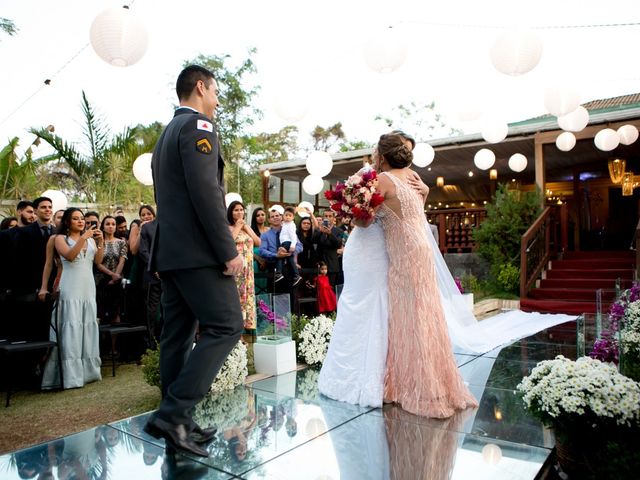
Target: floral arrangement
(224, 409)
(583, 392)
(314, 339)
(234, 370)
(357, 197)
(307, 385)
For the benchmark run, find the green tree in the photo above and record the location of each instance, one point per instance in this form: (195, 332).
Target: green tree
(7, 26)
(325, 138)
(422, 120)
(348, 146)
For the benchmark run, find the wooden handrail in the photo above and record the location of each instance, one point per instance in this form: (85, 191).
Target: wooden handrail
(530, 238)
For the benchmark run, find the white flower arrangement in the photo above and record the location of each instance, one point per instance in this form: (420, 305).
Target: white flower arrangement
(224, 409)
(630, 334)
(561, 388)
(307, 385)
(632, 315)
(234, 371)
(314, 339)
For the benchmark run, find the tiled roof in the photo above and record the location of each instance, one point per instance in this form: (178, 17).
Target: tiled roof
(614, 102)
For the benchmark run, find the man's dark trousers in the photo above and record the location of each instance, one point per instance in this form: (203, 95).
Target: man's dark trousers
(203, 296)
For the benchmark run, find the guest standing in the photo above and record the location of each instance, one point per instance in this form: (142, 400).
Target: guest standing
(109, 276)
(76, 311)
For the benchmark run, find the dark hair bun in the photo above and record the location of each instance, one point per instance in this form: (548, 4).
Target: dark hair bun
(394, 151)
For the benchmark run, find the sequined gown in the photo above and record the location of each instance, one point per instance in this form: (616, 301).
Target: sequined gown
(245, 281)
(421, 371)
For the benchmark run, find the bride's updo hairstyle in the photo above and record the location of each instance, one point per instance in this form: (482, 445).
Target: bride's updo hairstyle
(393, 150)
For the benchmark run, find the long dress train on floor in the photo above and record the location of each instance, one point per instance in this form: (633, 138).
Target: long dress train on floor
(76, 317)
(353, 370)
(421, 372)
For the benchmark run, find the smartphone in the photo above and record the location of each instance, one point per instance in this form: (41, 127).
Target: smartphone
(93, 224)
(325, 223)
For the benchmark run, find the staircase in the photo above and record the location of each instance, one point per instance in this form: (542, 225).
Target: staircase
(570, 285)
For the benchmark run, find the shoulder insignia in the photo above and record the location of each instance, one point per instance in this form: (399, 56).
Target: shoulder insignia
(203, 145)
(204, 125)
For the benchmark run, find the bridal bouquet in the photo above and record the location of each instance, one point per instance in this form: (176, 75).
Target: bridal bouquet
(357, 197)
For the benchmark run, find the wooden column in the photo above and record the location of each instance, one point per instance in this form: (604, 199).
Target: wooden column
(539, 168)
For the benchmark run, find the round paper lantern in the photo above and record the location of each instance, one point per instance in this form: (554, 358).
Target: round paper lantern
(491, 453)
(423, 155)
(386, 50)
(119, 37)
(319, 163)
(517, 162)
(291, 104)
(277, 208)
(574, 121)
(560, 100)
(484, 159)
(312, 184)
(606, 139)
(58, 199)
(232, 197)
(142, 169)
(516, 52)
(627, 134)
(302, 208)
(494, 131)
(566, 141)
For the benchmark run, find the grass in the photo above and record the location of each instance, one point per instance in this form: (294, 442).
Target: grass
(36, 417)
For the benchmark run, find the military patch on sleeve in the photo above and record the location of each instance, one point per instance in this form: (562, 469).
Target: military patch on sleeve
(203, 145)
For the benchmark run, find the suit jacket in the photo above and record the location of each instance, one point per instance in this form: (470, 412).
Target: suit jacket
(187, 166)
(29, 259)
(329, 245)
(147, 233)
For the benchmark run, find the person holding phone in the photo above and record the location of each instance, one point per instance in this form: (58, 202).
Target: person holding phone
(329, 243)
(76, 312)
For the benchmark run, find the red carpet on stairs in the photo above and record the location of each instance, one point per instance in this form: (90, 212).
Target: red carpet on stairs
(570, 285)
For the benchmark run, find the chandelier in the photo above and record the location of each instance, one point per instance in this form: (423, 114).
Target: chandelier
(616, 170)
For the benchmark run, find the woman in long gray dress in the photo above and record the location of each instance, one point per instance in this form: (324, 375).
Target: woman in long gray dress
(76, 311)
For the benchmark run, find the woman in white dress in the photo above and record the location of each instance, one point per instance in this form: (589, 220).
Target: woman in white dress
(76, 312)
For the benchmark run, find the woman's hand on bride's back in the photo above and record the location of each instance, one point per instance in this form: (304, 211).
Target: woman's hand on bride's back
(415, 182)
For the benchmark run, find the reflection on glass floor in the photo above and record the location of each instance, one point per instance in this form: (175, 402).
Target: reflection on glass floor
(282, 428)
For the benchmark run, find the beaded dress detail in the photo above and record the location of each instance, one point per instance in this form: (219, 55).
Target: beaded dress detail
(421, 373)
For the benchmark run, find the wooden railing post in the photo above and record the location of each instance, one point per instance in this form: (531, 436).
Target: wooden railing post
(564, 227)
(532, 238)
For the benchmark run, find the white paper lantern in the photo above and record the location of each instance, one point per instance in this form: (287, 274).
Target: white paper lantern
(119, 37)
(517, 162)
(291, 103)
(575, 121)
(302, 209)
(386, 50)
(566, 141)
(319, 163)
(491, 453)
(142, 169)
(231, 197)
(423, 155)
(516, 52)
(628, 134)
(494, 130)
(58, 199)
(277, 208)
(484, 159)
(606, 139)
(561, 99)
(312, 184)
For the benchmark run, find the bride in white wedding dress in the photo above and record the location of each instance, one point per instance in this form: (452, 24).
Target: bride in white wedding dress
(354, 368)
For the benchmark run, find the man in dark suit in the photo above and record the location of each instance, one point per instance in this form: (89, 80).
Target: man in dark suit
(196, 258)
(30, 254)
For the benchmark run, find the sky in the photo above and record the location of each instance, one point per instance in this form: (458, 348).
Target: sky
(313, 51)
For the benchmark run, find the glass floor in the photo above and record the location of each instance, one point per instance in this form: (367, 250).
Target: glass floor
(282, 428)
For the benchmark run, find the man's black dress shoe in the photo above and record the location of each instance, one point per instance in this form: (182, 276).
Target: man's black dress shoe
(176, 436)
(203, 435)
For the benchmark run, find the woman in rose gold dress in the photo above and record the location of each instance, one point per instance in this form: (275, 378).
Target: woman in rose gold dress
(421, 373)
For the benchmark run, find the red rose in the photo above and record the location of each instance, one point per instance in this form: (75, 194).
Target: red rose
(376, 199)
(329, 195)
(336, 207)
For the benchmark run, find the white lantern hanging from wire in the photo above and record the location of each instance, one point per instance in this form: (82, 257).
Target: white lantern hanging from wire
(566, 141)
(58, 199)
(517, 162)
(575, 121)
(386, 50)
(516, 52)
(627, 134)
(142, 169)
(494, 130)
(561, 99)
(312, 184)
(484, 159)
(423, 155)
(304, 209)
(231, 197)
(319, 163)
(606, 139)
(119, 37)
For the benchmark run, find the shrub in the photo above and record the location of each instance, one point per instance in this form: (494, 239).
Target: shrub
(508, 277)
(151, 367)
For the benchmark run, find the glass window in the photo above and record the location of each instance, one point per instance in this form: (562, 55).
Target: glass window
(274, 189)
(308, 198)
(322, 201)
(291, 192)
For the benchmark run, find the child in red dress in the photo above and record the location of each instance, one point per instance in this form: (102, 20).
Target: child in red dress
(325, 293)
